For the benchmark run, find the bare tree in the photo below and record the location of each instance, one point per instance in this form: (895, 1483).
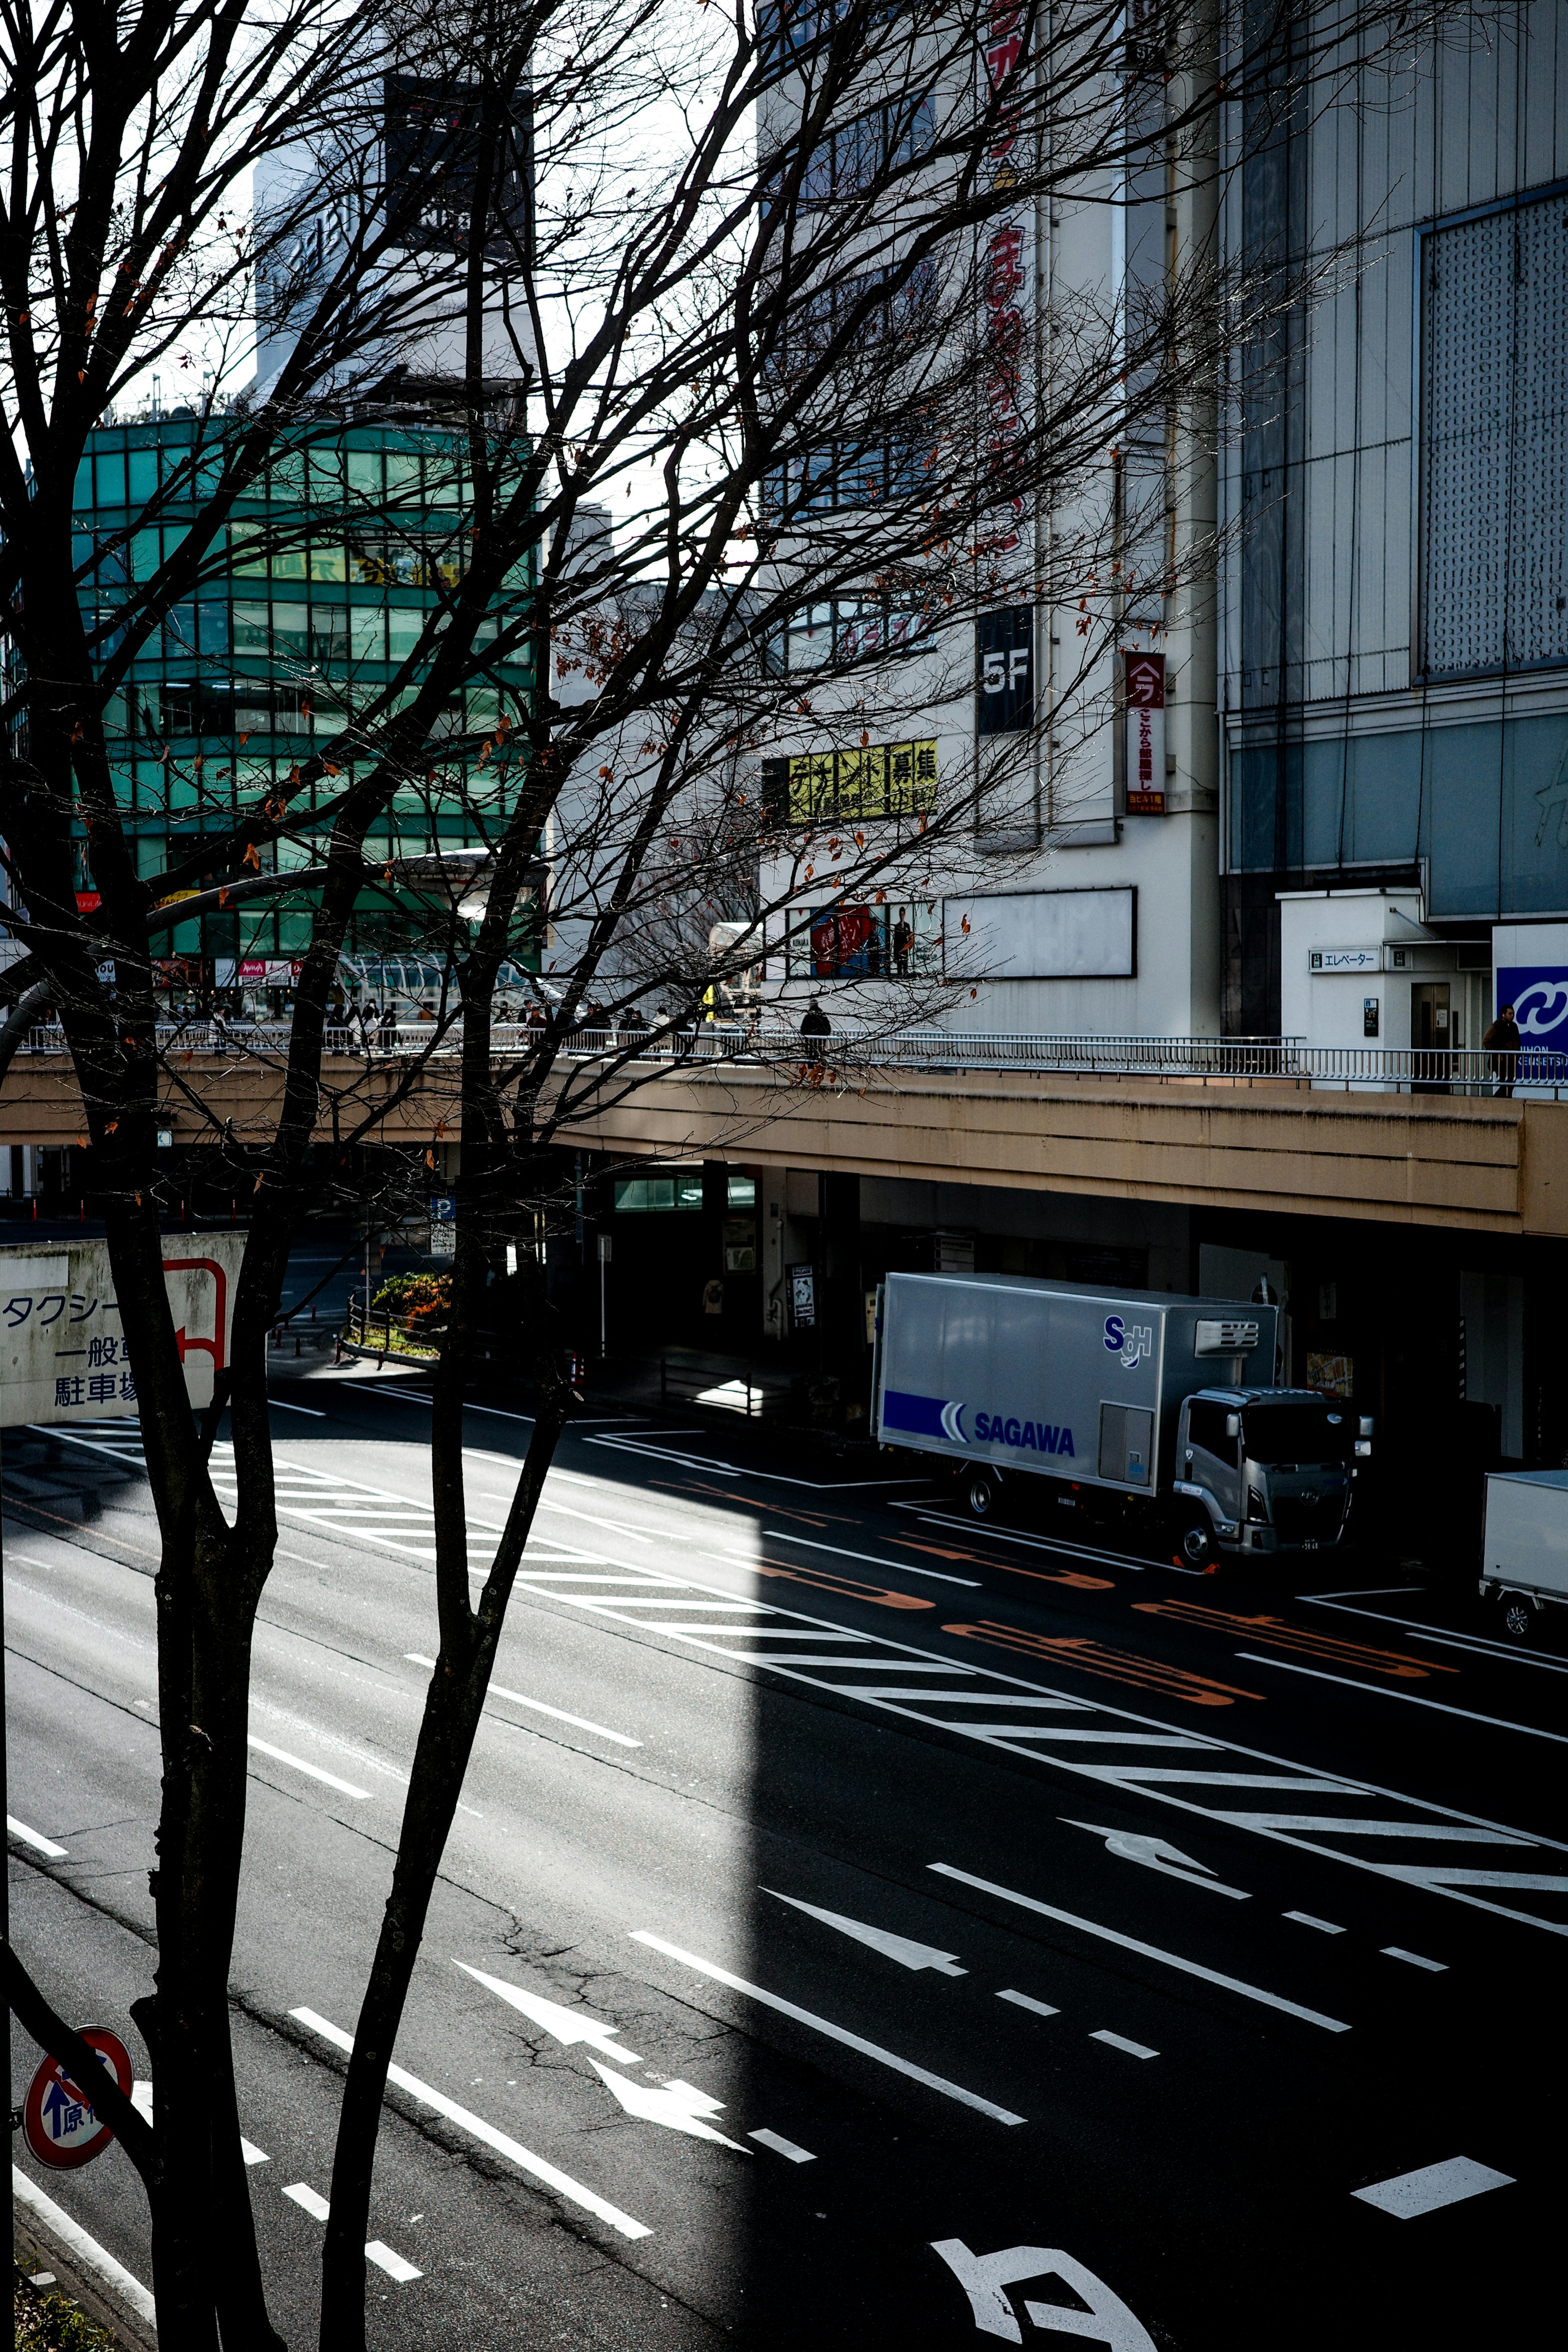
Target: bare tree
(774, 338)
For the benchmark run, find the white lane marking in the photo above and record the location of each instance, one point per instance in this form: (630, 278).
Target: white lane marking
(568, 2026)
(1374, 1690)
(1120, 2041)
(1440, 1875)
(142, 2100)
(1027, 2000)
(1155, 1854)
(678, 2105)
(1305, 1919)
(732, 1470)
(1432, 2187)
(905, 1566)
(310, 2199)
(589, 1518)
(897, 1655)
(908, 1953)
(1149, 1951)
(297, 1764)
(393, 2265)
(1481, 1643)
(251, 2153)
(535, 2166)
(781, 2146)
(1036, 1543)
(1397, 1952)
(96, 2259)
(1350, 1827)
(515, 1698)
(283, 1405)
(825, 2025)
(36, 1839)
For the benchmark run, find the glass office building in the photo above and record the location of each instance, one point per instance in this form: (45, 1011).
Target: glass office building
(313, 597)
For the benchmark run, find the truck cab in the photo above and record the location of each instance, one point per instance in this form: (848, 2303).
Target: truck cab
(1264, 1470)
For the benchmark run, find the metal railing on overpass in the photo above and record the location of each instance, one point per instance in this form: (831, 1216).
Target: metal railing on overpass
(1538, 1071)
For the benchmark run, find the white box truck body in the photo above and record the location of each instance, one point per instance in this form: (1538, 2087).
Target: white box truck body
(1524, 1556)
(1134, 1399)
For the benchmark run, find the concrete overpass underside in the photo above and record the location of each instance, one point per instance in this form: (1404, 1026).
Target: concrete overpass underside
(1476, 1164)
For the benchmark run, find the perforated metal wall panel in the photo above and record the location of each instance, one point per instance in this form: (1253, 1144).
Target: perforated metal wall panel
(1494, 490)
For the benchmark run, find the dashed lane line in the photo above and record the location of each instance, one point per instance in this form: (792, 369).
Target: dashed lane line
(1146, 1951)
(312, 1771)
(1120, 2041)
(826, 2026)
(536, 2168)
(781, 2146)
(1427, 2191)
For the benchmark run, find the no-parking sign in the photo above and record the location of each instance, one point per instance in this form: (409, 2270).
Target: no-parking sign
(59, 2122)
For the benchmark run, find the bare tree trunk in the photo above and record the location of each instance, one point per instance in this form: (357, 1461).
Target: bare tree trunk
(453, 1706)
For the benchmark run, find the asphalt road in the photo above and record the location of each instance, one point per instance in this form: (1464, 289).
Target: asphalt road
(1014, 1939)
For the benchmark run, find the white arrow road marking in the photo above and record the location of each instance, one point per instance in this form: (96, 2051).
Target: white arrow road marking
(568, 2025)
(903, 1948)
(1432, 2187)
(679, 2106)
(536, 2167)
(825, 2025)
(1155, 1854)
(985, 2278)
(1149, 1951)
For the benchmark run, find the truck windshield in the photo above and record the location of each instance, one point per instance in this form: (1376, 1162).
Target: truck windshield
(1297, 1433)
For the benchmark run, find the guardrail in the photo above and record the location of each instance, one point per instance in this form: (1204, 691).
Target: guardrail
(1536, 1071)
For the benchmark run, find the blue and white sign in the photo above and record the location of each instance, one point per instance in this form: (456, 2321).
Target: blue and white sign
(1539, 995)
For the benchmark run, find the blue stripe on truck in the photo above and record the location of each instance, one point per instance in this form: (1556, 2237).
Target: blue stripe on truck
(920, 1415)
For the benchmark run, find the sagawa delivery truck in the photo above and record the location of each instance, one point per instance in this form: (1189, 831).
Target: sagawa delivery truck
(1129, 1402)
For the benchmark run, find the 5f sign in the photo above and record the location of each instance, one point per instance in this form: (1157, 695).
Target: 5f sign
(1005, 670)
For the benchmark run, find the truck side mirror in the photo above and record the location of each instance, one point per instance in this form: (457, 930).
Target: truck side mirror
(1233, 1425)
(1363, 1426)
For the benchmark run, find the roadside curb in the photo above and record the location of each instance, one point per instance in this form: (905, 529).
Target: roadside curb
(47, 2239)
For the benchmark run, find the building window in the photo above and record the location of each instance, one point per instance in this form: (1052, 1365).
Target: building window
(1494, 440)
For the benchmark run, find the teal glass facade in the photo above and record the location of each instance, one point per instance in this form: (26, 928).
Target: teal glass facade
(314, 595)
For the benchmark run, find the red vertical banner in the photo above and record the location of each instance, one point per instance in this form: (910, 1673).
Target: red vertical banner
(1143, 684)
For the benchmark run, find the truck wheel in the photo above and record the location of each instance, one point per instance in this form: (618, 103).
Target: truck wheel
(980, 1493)
(1195, 1543)
(1518, 1617)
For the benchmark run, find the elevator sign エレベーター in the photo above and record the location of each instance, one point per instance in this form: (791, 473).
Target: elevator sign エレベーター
(65, 1352)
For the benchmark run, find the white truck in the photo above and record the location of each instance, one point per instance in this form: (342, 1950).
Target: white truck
(1133, 1406)
(1524, 1556)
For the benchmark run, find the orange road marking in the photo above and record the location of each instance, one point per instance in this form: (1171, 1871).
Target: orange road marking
(1114, 1665)
(883, 1595)
(1282, 1634)
(697, 1486)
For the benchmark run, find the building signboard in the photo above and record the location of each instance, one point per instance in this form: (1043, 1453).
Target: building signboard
(1143, 679)
(65, 1354)
(1332, 959)
(1005, 670)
